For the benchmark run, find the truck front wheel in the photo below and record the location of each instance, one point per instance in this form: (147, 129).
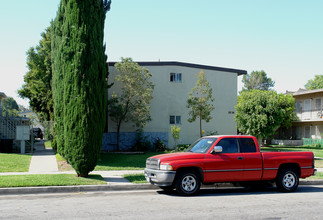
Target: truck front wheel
(187, 183)
(287, 180)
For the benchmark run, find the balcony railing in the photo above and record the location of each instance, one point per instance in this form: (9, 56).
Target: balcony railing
(312, 115)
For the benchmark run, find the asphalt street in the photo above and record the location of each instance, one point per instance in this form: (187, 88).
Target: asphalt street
(220, 203)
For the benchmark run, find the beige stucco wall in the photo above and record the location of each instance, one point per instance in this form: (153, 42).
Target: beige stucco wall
(169, 98)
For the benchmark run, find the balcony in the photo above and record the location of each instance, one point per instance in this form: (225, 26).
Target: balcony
(311, 115)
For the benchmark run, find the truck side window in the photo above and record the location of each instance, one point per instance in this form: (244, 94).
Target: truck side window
(229, 145)
(247, 145)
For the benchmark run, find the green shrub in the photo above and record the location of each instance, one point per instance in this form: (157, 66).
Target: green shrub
(159, 145)
(142, 144)
(182, 147)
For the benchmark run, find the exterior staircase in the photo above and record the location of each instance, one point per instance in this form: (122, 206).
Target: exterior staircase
(8, 125)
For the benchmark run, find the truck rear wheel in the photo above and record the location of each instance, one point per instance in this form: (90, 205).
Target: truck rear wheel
(187, 183)
(287, 180)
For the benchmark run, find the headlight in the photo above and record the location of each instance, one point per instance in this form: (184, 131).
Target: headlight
(165, 167)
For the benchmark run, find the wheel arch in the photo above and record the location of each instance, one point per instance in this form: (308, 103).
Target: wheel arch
(294, 166)
(197, 170)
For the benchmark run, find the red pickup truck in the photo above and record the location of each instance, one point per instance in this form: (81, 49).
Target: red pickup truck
(227, 158)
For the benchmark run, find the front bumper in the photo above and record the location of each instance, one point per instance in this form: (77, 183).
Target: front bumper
(160, 177)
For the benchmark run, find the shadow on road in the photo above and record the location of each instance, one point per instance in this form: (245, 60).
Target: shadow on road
(243, 191)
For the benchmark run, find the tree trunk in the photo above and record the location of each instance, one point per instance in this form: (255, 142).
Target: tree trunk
(259, 139)
(200, 125)
(118, 137)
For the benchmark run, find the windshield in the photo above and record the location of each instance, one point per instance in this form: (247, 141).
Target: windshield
(201, 145)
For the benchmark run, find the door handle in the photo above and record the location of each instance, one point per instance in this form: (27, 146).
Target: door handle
(240, 158)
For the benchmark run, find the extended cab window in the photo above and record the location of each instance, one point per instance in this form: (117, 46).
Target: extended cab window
(229, 145)
(201, 145)
(247, 145)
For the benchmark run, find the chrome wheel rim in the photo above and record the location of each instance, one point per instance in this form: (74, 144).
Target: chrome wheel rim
(289, 180)
(189, 183)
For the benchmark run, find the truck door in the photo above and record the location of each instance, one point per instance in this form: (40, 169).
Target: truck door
(252, 160)
(224, 166)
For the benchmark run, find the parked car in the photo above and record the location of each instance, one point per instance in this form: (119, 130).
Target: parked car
(234, 158)
(37, 133)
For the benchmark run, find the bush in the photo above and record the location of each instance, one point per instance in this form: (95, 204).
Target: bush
(159, 145)
(142, 144)
(182, 147)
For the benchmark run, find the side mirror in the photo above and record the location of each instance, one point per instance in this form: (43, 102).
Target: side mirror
(217, 149)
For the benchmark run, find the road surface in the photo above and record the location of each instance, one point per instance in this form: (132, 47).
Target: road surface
(220, 203)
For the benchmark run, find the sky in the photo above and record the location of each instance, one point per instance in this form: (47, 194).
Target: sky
(282, 37)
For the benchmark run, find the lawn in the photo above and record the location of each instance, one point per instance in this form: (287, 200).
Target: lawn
(49, 180)
(135, 178)
(48, 144)
(319, 175)
(14, 162)
(111, 161)
(318, 152)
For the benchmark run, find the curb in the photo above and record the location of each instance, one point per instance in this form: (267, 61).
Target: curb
(74, 189)
(100, 188)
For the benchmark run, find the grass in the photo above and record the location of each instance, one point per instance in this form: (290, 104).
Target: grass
(318, 152)
(135, 178)
(49, 180)
(319, 163)
(319, 175)
(62, 164)
(14, 162)
(111, 161)
(48, 144)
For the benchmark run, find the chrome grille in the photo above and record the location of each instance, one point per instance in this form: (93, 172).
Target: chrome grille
(152, 163)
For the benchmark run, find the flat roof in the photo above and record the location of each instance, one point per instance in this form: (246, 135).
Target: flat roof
(305, 92)
(192, 65)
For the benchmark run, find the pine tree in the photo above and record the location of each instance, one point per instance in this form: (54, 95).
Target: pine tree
(79, 81)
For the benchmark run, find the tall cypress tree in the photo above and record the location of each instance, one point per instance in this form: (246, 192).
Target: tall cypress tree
(79, 81)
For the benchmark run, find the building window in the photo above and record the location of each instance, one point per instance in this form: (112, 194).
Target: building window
(175, 119)
(307, 105)
(175, 77)
(307, 133)
(318, 104)
(299, 106)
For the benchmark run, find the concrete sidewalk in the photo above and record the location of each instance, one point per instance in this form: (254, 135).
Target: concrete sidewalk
(43, 160)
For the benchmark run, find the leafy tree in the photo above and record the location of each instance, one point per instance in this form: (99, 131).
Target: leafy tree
(133, 102)
(79, 81)
(257, 80)
(175, 133)
(37, 87)
(316, 83)
(200, 101)
(10, 106)
(261, 113)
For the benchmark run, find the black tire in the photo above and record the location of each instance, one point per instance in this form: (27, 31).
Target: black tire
(167, 188)
(187, 183)
(287, 180)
